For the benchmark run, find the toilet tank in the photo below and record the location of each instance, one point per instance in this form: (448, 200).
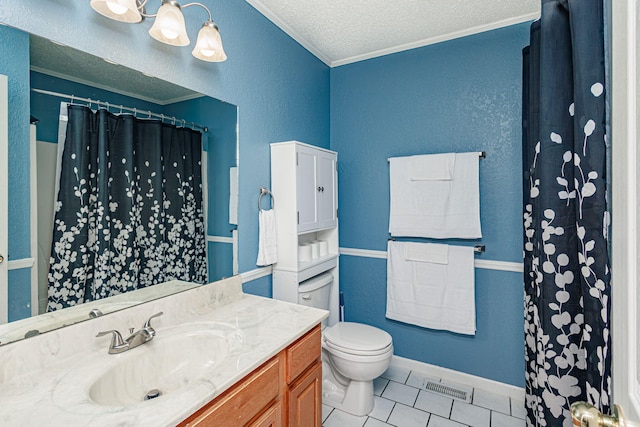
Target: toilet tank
(315, 292)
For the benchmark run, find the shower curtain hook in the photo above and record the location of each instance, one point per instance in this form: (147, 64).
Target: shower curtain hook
(107, 104)
(89, 103)
(174, 120)
(120, 108)
(72, 96)
(161, 118)
(135, 112)
(149, 114)
(184, 123)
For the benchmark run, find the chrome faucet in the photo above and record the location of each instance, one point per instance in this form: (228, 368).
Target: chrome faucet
(118, 345)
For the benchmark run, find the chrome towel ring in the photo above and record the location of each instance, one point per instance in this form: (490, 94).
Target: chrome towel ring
(264, 191)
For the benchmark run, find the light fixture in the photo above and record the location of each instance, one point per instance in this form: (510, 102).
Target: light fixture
(120, 10)
(169, 26)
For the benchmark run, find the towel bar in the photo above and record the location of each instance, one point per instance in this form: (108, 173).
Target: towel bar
(481, 154)
(263, 191)
(477, 248)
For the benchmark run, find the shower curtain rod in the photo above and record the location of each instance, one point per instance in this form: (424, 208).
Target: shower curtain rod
(121, 107)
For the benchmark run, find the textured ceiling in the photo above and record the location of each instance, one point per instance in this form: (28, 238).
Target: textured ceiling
(344, 31)
(71, 64)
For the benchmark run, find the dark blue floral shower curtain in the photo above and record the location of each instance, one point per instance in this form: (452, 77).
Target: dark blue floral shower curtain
(567, 276)
(129, 209)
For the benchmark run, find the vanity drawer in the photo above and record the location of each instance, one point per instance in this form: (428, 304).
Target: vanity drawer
(303, 353)
(239, 405)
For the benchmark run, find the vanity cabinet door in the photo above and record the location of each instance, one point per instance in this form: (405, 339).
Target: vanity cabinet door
(305, 399)
(271, 418)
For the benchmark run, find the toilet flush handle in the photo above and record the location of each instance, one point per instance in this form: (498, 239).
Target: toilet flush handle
(306, 297)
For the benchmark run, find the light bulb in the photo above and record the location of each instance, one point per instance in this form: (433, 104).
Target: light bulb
(119, 10)
(169, 26)
(169, 33)
(116, 8)
(209, 44)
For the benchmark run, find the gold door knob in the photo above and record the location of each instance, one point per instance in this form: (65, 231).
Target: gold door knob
(587, 415)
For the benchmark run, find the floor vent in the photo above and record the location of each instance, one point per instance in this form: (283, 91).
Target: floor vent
(449, 391)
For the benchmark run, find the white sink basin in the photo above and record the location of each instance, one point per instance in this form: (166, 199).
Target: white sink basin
(168, 365)
(173, 360)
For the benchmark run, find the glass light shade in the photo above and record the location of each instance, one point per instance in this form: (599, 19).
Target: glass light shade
(169, 26)
(120, 10)
(209, 44)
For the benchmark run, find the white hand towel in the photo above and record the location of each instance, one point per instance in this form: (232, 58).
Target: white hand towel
(426, 252)
(438, 209)
(432, 295)
(267, 246)
(433, 167)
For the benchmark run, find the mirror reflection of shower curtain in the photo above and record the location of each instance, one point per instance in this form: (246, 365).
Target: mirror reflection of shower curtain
(129, 208)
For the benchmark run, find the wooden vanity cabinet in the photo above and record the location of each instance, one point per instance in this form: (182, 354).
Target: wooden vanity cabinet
(284, 391)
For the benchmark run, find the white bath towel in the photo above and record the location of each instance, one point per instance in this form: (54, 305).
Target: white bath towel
(437, 209)
(267, 246)
(426, 252)
(433, 167)
(432, 295)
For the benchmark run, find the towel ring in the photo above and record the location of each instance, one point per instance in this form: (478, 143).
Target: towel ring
(264, 191)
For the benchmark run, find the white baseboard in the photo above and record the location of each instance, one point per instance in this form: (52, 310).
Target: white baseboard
(449, 375)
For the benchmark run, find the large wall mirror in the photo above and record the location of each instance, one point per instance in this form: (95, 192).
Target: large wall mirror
(42, 75)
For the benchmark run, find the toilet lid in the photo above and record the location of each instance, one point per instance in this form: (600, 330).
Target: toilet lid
(356, 336)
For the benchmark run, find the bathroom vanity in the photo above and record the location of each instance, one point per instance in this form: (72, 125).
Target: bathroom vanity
(286, 390)
(219, 357)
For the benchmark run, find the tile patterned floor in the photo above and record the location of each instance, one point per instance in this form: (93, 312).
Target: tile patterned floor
(400, 400)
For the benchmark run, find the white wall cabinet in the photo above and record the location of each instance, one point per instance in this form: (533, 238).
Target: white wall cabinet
(316, 187)
(304, 183)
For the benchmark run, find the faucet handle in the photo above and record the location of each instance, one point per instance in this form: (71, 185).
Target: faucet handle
(117, 343)
(147, 324)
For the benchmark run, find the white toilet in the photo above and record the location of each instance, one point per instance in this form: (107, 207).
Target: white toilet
(353, 354)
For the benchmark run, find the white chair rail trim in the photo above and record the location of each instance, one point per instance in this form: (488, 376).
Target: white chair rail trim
(487, 264)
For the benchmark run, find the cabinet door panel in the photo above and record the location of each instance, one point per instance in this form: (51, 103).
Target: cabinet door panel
(307, 191)
(327, 213)
(271, 418)
(305, 400)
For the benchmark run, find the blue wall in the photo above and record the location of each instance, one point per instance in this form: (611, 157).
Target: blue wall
(454, 96)
(281, 89)
(16, 67)
(461, 95)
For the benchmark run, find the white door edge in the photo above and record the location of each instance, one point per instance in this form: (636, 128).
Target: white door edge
(624, 239)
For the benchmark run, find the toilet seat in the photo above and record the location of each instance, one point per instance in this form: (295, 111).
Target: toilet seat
(357, 354)
(357, 339)
(330, 346)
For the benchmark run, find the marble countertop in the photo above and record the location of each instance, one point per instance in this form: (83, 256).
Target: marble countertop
(45, 380)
